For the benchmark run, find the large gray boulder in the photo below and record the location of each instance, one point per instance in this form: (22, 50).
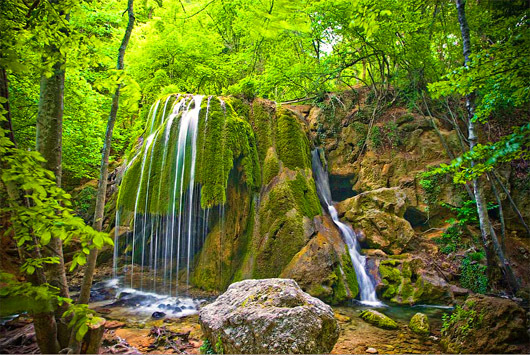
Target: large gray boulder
(269, 316)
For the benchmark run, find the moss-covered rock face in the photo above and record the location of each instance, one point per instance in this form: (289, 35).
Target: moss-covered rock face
(404, 281)
(378, 319)
(379, 215)
(323, 267)
(222, 137)
(487, 325)
(281, 221)
(419, 324)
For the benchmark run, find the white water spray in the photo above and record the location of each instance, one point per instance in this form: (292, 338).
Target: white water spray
(366, 287)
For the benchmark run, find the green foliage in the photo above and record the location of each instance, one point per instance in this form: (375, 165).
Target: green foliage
(219, 346)
(17, 297)
(82, 318)
(487, 156)
(206, 347)
(461, 321)
(473, 274)
(451, 239)
(375, 140)
(432, 185)
(45, 210)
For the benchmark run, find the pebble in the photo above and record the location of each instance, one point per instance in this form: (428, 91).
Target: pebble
(371, 351)
(158, 315)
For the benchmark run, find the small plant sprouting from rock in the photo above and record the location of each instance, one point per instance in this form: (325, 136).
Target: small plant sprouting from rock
(206, 347)
(219, 346)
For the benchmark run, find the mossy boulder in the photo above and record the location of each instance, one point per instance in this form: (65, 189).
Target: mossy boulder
(270, 316)
(323, 267)
(281, 221)
(379, 215)
(378, 319)
(488, 325)
(419, 324)
(406, 281)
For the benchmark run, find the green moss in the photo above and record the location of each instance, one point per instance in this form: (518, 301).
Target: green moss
(419, 324)
(406, 271)
(292, 144)
(350, 275)
(271, 166)
(226, 137)
(390, 262)
(262, 122)
(378, 319)
(281, 223)
(340, 294)
(305, 195)
(389, 273)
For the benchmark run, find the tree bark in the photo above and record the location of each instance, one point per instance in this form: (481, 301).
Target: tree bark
(512, 202)
(104, 170)
(494, 253)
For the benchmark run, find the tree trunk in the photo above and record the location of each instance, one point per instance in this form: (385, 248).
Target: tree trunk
(103, 176)
(494, 253)
(44, 323)
(512, 203)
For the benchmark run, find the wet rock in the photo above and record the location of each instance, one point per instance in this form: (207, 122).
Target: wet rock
(486, 325)
(269, 316)
(419, 324)
(342, 318)
(380, 215)
(378, 319)
(114, 324)
(158, 315)
(405, 281)
(371, 351)
(323, 267)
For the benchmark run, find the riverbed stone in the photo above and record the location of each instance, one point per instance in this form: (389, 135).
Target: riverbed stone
(419, 324)
(488, 325)
(378, 319)
(269, 316)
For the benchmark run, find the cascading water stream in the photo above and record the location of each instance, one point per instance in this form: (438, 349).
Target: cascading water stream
(366, 287)
(167, 215)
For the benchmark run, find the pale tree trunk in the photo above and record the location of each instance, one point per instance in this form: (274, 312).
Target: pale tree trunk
(84, 295)
(44, 322)
(494, 253)
(103, 176)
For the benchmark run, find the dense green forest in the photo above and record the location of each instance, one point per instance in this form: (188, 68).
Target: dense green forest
(79, 87)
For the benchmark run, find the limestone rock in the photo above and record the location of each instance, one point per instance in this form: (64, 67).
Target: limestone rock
(269, 316)
(379, 214)
(405, 281)
(378, 319)
(419, 324)
(489, 325)
(323, 267)
(484, 324)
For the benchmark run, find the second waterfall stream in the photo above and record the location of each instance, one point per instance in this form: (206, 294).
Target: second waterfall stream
(366, 286)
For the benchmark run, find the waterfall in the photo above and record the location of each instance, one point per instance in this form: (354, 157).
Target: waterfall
(366, 287)
(168, 223)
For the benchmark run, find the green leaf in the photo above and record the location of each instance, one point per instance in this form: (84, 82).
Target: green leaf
(81, 332)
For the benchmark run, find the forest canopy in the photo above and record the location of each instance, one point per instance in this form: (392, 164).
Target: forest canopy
(277, 49)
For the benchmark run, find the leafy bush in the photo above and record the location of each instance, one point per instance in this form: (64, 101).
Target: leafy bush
(473, 274)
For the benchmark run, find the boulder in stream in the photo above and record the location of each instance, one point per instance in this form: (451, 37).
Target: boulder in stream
(419, 324)
(269, 316)
(378, 319)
